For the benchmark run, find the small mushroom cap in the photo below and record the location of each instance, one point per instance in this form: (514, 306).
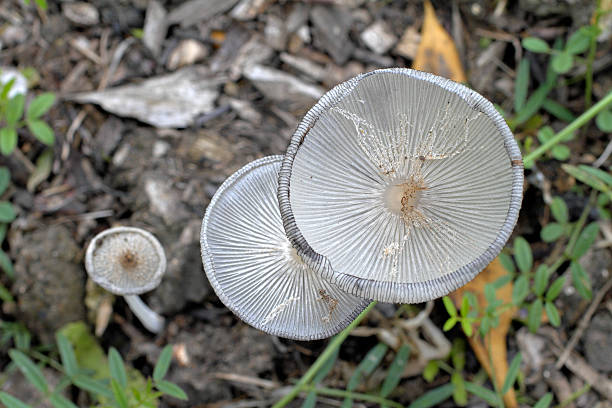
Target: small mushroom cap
(400, 185)
(125, 260)
(255, 271)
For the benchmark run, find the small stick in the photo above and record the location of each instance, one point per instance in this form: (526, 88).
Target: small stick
(244, 379)
(584, 322)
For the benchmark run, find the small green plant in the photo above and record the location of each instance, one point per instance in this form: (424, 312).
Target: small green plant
(116, 391)
(564, 59)
(14, 117)
(40, 3)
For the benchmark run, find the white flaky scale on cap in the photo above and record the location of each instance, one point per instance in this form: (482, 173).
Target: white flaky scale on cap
(256, 272)
(128, 261)
(400, 186)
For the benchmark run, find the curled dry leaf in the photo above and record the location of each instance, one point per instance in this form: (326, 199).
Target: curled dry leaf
(494, 345)
(437, 52)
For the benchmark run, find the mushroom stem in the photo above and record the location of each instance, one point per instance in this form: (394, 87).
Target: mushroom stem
(149, 319)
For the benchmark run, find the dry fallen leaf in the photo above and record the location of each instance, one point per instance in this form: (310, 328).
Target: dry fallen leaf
(437, 52)
(494, 344)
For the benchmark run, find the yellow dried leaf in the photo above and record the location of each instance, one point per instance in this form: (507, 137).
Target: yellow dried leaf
(494, 345)
(437, 52)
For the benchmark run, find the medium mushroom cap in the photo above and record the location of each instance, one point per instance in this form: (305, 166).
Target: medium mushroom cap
(125, 260)
(255, 271)
(400, 186)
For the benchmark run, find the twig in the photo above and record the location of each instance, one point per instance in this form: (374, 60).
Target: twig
(582, 369)
(584, 322)
(267, 384)
(604, 156)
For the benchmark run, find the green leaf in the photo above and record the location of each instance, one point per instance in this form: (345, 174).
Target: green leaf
(95, 387)
(394, 375)
(8, 140)
(466, 326)
(578, 43)
(30, 370)
(551, 232)
(326, 368)
(555, 289)
(44, 164)
(484, 393)
(7, 212)
(562, 62)
(581, 280)
(310, 401)
(523, 255)
(545, 401)
(513, 371)
(12, 402)
(59, 401)
(6, 265)
(507, 262)
(41, 131)
(465, 306)
(434, 397)
(41, 3)
(559, 210)
(553, 314)
(14, 109)
(521, 84)
(431, 370)
(119, 393)
(369, 363)
(449, 306)
(590, 178)
(545, 134)
(5, 179)
(40, 105)
(600, 174)
(540, 280)
(534, 315)
(585, 240)
(560, 152)
(501, 282)
(67, 354)
(171, 389)
(520, 290)
(163, 363)
(5, 294)
(450, 323)
(535, 45)
(459, 391)
(534, 103)
(6, 88)
(559, 111)
(603, 120)
(117, 368)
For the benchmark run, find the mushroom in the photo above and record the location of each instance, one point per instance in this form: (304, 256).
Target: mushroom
(400, 186)
(254, 270)
(128, 261)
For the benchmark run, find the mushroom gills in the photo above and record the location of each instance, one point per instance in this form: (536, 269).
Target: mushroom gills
(254, 269)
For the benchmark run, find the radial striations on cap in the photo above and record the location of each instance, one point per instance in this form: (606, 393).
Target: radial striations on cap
(400, 186)
(125, 260)
(254, 269)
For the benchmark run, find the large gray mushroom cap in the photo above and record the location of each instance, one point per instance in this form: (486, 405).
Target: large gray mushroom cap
(400, 186)
(125, 260)
(256, 272)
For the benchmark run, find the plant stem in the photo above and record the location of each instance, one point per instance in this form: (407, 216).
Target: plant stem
(576, 124)
(332, 392)
(580, 224)
(334, 344)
